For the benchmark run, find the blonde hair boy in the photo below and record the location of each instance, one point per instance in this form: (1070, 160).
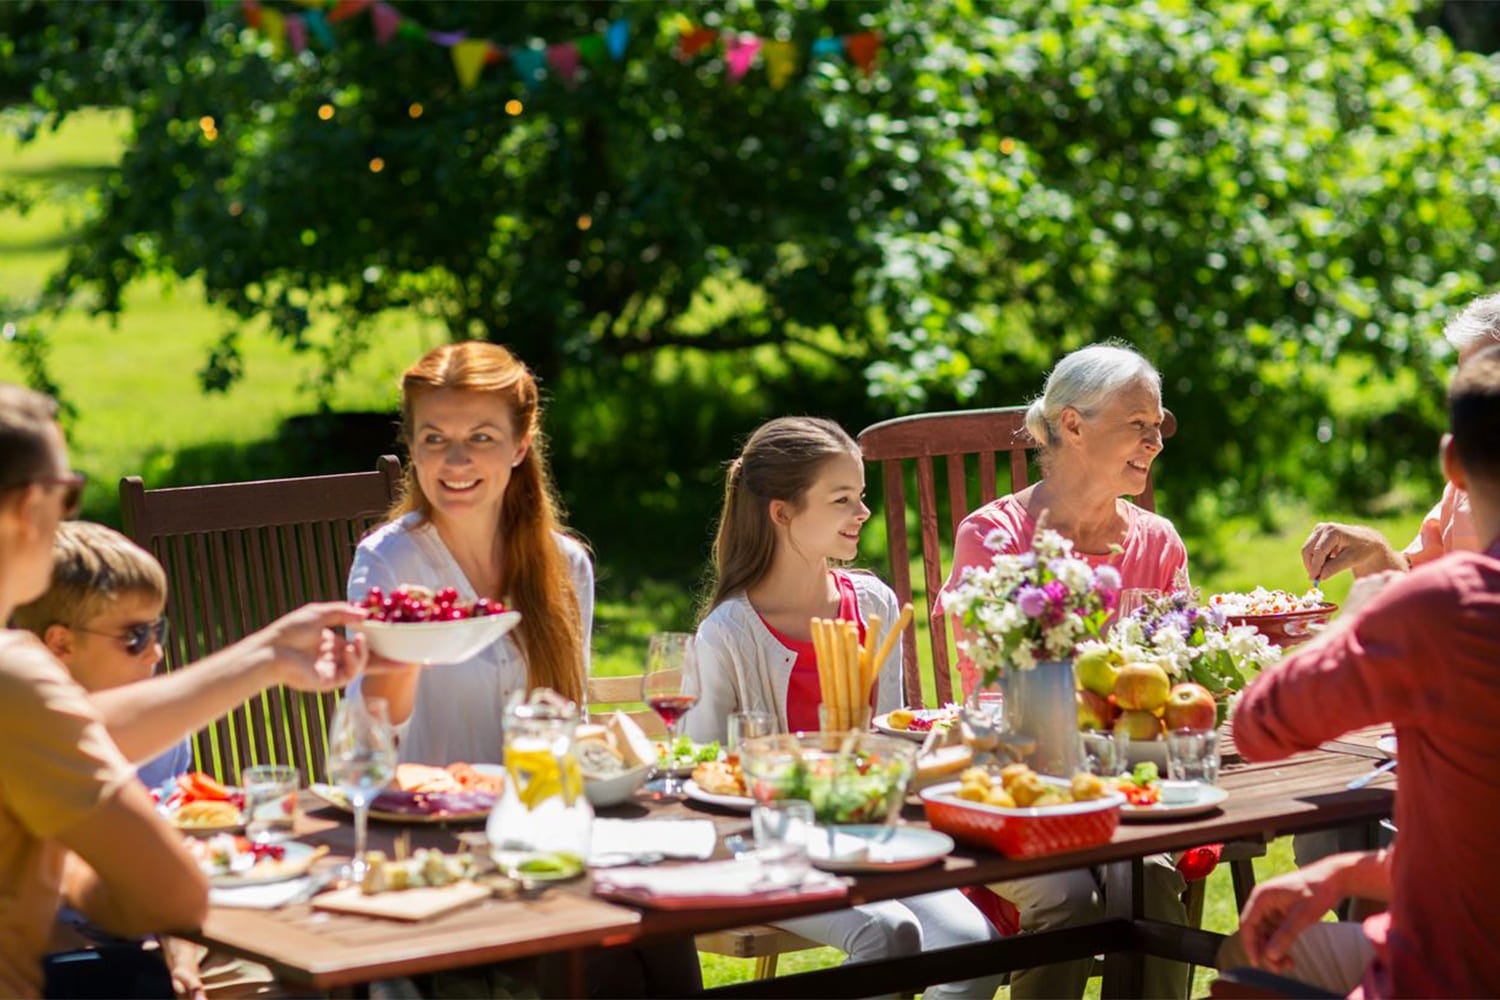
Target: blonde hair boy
(101, 614)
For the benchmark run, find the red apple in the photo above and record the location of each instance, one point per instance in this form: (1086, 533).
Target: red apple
(1140, 725)
(1095, 712)
(1142, 686)
(1190, 706)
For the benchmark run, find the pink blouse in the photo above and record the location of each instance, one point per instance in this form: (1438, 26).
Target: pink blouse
(1152, 555)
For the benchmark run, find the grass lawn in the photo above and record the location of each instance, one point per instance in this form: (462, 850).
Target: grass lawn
(141, 412)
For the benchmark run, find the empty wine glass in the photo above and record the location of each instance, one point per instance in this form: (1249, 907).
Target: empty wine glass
(361, 761)
(670, 688)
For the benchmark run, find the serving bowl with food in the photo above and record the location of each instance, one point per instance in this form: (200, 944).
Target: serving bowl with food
(414, 624)
(849, 777)
(196, 803)
(1284, 618)
(1023, 814)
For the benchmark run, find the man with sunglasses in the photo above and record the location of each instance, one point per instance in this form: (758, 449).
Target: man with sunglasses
(75, 825)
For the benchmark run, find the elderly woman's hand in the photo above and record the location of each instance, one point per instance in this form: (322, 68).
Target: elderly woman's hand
(1333, 548)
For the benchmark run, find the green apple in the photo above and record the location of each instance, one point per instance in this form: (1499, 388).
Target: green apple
(1142, 686)
(1097, 670)
(1141, 726)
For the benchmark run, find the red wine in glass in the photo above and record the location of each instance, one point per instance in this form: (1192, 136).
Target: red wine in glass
(672, 707)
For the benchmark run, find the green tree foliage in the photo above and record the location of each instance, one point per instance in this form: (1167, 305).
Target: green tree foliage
(1279, 202)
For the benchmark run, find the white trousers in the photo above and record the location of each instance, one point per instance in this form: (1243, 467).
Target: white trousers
(906, 927)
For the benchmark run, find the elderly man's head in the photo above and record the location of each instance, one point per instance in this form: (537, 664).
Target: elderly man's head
(1474, 420)
(1476, 326)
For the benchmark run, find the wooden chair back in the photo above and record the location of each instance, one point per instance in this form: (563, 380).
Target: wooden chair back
(975, 445)
(237, 556)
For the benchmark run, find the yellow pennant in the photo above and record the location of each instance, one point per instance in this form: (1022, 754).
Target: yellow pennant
(781, 62)
(468, 61)
(273, 26)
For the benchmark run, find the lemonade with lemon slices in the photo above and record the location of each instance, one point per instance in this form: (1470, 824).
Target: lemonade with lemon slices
(542, 824)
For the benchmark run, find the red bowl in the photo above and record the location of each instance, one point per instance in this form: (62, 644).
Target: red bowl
(1023, 833)
(1289, 628)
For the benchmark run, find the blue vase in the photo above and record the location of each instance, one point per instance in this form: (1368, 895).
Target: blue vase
(1041, 711)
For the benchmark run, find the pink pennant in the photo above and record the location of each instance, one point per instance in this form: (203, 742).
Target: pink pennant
(739, 53)
(564, 58)
(387, 22)
(296, 33)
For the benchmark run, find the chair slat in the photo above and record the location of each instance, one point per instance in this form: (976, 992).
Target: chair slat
(958, 491)
(987, 475)
(894, 483)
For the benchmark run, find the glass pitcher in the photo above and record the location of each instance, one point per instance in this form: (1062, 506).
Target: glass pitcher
(542, 824)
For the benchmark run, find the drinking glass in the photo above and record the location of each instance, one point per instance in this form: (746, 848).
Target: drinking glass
(1193, 755)
(746, 726)
(781, 832)
(270, 802)
(1105, 753)
(1134, 598)
(670, 688)
(361, 761)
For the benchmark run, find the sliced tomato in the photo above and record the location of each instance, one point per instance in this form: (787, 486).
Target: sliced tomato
(200, 786)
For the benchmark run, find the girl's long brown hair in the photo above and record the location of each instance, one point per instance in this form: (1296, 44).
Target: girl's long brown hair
(779, 462)
(536, 576)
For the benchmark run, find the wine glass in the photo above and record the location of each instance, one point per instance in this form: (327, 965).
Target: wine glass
(671, 688)
(361, 761)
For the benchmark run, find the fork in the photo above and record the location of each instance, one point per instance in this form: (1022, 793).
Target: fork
(1365, 779)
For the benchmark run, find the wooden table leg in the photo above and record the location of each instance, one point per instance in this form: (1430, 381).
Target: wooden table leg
(1124, 897)
(561, 974)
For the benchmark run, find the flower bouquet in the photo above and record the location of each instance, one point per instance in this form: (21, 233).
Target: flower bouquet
(1022, 620)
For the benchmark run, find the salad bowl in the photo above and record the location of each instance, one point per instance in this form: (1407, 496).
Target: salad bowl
(849, 777)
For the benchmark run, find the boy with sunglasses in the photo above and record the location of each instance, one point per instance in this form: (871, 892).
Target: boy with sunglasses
(102, 617)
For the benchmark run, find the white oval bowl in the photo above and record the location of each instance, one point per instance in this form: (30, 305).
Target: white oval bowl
(436, 642)
(616, 788)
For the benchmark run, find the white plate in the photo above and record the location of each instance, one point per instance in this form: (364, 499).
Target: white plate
(1387, 744)
(871, 848)
(882, 723)
(740, 803)
(298, 858)
(1209, 798)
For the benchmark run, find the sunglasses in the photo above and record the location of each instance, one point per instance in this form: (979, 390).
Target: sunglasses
(138, 637)
(72, 484)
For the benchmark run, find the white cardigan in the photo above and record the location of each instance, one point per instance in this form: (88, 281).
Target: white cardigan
(743, 667)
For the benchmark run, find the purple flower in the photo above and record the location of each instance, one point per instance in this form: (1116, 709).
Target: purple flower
(1179, 621)
(1032, 600)
(1057, 591)
(1106, 579)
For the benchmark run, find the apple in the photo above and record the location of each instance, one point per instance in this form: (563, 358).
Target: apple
(1140, 725)
(1142, 686)
(1097, 671)
(1190, 706)
(1095, 712)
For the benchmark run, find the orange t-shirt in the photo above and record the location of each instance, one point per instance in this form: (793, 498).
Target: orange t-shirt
(57, 764)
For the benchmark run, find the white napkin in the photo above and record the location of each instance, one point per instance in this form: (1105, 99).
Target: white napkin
(636, 838)
(267, 896)
(739, 877)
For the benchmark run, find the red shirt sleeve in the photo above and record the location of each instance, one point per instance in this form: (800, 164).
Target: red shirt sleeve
(1366, 674)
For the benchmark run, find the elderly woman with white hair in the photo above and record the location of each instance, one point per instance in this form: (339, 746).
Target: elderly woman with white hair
(1098, 422)
(1332, 547)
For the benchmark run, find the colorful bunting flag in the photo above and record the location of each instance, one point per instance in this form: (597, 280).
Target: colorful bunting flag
(447, 39)
(318, 28)
(296, 33)
(345, 9)
(530, 66)
(386, 22)
(617, 37)
(694, 41)
(781, 62)
(468, 60)
(252, 13)
(563, 58)
(862, 49)
(739, 53)
(592, 49)
(273, 26)
(822, 48)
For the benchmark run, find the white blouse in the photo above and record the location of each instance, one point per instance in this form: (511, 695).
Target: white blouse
(458, 714)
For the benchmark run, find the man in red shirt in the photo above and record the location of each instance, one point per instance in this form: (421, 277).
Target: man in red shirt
(1424, 654)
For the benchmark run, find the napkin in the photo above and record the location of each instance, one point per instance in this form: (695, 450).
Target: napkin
(712, 884)
(637, 839)
(267, 896)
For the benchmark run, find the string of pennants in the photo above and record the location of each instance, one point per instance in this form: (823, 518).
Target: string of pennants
(741, 51)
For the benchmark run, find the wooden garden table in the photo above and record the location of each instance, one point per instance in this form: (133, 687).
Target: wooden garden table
(333, 951)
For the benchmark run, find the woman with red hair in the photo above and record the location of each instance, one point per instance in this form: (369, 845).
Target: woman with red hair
(478, 514)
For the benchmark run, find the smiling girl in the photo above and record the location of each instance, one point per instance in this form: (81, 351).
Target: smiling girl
(478, 514)
(794, 506)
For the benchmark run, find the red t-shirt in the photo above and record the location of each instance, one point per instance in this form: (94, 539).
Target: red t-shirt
(1424, 654)
(803, 693)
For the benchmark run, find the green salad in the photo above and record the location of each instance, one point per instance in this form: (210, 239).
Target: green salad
(686, 753)
(858, 788)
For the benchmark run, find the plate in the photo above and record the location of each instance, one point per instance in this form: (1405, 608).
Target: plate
(1210, 797)
(1387, 744)
(421, 807)
(881, 848)
(293, 864)
(739, 803)
(882, 723)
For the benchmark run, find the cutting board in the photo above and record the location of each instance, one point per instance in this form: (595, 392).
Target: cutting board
(405, 904)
